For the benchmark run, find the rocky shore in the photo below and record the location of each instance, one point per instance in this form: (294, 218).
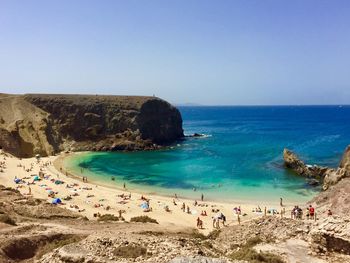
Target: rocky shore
(47, 124)
(325, 175)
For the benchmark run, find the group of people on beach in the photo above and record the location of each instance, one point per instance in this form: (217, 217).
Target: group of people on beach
(297, 213)
(217, 215)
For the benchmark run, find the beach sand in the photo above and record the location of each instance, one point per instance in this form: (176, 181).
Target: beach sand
(91, 198)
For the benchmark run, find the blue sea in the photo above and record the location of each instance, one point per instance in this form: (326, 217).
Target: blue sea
(240, 158)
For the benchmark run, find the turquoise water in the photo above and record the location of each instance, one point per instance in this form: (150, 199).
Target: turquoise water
(240, 159)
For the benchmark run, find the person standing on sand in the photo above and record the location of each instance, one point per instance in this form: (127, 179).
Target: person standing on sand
(281, 201)
(199, 223)
(312, 212)
(124, 186)
(202, 197)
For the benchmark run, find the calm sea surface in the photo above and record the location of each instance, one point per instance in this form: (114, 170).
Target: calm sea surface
(240, 159)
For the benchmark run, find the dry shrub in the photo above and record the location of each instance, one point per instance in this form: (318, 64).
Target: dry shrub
(108, 217)
(143, 219)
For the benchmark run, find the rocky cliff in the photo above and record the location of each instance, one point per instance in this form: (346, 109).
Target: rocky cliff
(329, 176)
(44, 124)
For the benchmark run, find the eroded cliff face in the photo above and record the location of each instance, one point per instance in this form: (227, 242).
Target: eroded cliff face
(44, 124)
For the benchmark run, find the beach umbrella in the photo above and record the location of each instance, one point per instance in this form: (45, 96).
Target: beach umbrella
(36, 178)
(56, 201)
(17, 180)
(144, 205)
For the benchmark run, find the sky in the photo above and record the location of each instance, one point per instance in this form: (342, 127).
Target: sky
(263, 52)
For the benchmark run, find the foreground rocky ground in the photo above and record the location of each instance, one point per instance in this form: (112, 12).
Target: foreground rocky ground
(34, 231)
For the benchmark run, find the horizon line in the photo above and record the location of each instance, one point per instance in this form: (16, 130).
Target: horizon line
(257, 105)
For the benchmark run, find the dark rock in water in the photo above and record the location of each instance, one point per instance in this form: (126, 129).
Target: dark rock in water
(196, 135)
(46, 124)
(292, 161)
(313, 182)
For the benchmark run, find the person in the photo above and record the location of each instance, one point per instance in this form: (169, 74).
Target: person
(307, 213)
(183, 207)
(124, 186)
(195, 203)
(166, 208)
(199, 223)
(214, 222)
(30, 191)
(176, 196)
(300, 213)
(188, 210)
(237, 210)
(281, 201)
(329, 212)
(223, 218)
(312, 212)
(202, 197)
(293, 212)
(174, 202)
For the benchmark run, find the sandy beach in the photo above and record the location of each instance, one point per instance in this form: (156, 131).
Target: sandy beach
(89, 198)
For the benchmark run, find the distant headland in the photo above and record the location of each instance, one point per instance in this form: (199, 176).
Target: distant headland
(45, 124)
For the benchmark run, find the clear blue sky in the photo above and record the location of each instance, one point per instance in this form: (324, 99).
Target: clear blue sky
(206, 52)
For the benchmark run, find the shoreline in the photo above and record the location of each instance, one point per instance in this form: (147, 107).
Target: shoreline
(91, 197)
(138, 188)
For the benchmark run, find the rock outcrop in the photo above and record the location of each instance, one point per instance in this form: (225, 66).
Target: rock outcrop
(45, 124)
(333, 176)
(329, 176)
(293, 162)
(345, 161)
(331, 235)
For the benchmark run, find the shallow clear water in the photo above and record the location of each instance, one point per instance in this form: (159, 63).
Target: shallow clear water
(241, 159)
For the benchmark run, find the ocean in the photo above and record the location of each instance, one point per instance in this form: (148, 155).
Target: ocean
(239, 159)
